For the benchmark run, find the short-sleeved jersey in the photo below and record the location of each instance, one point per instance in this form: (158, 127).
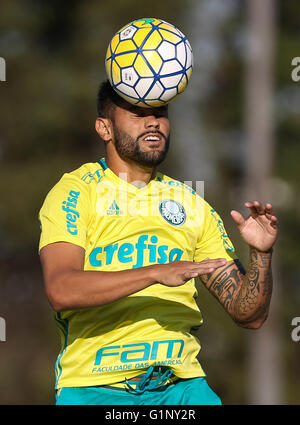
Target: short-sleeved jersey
(121, 226)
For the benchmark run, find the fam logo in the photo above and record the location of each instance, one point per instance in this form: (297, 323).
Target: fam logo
(143, 351)
(173, 212)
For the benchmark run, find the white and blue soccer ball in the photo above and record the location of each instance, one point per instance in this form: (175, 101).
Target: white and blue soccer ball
(149, 62)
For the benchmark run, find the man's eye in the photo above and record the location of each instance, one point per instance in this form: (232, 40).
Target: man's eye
(141, 113)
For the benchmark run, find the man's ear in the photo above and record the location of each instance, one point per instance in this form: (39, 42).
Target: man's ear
(103, 127)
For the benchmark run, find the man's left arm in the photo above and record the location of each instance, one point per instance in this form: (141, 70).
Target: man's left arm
(246, 297)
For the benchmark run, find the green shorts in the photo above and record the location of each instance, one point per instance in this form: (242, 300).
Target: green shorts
(193, 391)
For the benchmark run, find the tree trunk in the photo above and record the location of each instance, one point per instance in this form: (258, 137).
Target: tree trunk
(264, 361)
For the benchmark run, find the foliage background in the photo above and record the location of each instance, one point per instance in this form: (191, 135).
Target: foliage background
(54, 53)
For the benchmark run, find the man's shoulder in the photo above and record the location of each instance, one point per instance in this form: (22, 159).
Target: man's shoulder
(80, 179)
(87, 173)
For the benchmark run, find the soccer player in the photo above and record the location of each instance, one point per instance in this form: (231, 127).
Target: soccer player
(121, 247)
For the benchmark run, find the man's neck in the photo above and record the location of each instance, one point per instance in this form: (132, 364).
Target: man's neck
(132, 172)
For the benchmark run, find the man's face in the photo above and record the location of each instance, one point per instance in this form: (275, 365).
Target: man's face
(141, 134)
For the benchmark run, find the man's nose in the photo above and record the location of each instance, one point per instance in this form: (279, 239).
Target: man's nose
(152, 121)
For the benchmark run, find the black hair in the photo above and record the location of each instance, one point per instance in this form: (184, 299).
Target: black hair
(107, 99)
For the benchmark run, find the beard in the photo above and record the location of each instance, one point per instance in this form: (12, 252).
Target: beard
(129, 148)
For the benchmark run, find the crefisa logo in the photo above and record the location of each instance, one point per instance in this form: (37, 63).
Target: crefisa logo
(173, 212)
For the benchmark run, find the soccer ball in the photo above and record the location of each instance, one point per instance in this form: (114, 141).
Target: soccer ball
(149, 62)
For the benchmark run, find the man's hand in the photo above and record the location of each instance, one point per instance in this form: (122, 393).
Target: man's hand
(179, 272)
(260, 229)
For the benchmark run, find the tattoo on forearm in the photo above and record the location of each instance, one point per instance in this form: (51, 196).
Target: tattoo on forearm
(245, 297)
(224, 285)
(249, 292)
(255, 293)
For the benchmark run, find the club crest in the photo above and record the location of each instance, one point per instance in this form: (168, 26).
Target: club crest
(173, 212)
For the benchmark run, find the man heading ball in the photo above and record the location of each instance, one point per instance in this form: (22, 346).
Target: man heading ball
(121, 247)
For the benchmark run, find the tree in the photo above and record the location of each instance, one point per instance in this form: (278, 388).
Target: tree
(265, 380)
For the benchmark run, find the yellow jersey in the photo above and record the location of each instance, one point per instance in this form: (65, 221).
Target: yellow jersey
(121, 226)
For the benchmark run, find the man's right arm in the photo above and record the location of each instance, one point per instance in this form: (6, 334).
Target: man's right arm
(69, 286)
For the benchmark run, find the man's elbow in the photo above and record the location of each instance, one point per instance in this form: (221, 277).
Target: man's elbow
(252, 324)
(56, 297)
(56, 303)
